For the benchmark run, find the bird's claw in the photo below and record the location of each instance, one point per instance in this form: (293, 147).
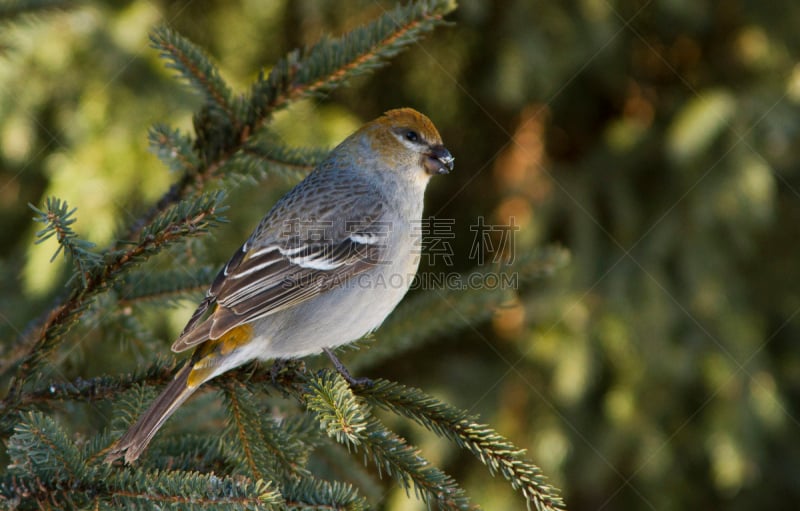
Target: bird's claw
(341, 369)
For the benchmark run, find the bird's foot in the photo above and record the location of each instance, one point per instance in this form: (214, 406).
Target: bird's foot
(341, 369)
(277, 367)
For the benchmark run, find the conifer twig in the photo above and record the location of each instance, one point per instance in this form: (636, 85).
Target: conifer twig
(494, 451)
(47, 467)
(349, 422)
(330, 63)
(184, 220)
(168, 286)
(192, 63)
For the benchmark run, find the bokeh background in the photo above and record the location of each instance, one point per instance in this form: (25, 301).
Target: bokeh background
(658, 141)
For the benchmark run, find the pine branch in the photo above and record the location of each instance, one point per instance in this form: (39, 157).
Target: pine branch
(310, 494)
(99, 388)
(265, 151)
(337, 408)
(331, 62)
(173, 148)
(347, 421)
(168, 286)
(186, 452)
(40, 447)
(266, 450)
(334, 460)
(494, 451)
(190, 491)
(47, 467)
(187, 219)
(343, 416)
(195, 67)
(58, 219)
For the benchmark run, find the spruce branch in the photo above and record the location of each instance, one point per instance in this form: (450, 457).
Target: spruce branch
(195, 67)
(336, 407)
(189, 218)
(47, 467)
(244, 426)
(267, 449)
(190, 491)
(163, 286)
(265, 151)
(188, 452)
(344, 418)
(312, 494)
(85, 390)
(493, 450)
(98, 388)
(333, 61)
(173, 148)
(39, 447)
(58, 220)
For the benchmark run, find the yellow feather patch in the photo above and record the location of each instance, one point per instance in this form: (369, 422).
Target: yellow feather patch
(213, 349)
(239, 336)
(199, 374)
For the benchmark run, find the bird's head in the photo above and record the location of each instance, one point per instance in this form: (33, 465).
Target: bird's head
(405, 139)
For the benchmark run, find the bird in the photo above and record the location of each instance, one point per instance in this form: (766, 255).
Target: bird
(324, 267)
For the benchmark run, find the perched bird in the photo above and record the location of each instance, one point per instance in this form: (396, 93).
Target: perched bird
(324, 267)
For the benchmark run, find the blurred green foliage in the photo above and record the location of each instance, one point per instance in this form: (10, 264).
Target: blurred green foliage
(658, 140)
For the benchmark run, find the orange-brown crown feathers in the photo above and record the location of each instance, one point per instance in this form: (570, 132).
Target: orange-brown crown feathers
(411, 119)
(385, 130)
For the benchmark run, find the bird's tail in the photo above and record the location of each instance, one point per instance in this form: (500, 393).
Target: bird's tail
(136, 439)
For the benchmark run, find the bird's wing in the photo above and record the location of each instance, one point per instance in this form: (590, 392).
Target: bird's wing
(264, 279)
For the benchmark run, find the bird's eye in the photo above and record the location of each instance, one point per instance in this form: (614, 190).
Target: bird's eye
(412, 136)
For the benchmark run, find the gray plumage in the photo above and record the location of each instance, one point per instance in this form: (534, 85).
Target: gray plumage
(324, 267)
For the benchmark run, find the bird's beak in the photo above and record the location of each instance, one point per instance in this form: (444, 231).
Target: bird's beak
(438, 160)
